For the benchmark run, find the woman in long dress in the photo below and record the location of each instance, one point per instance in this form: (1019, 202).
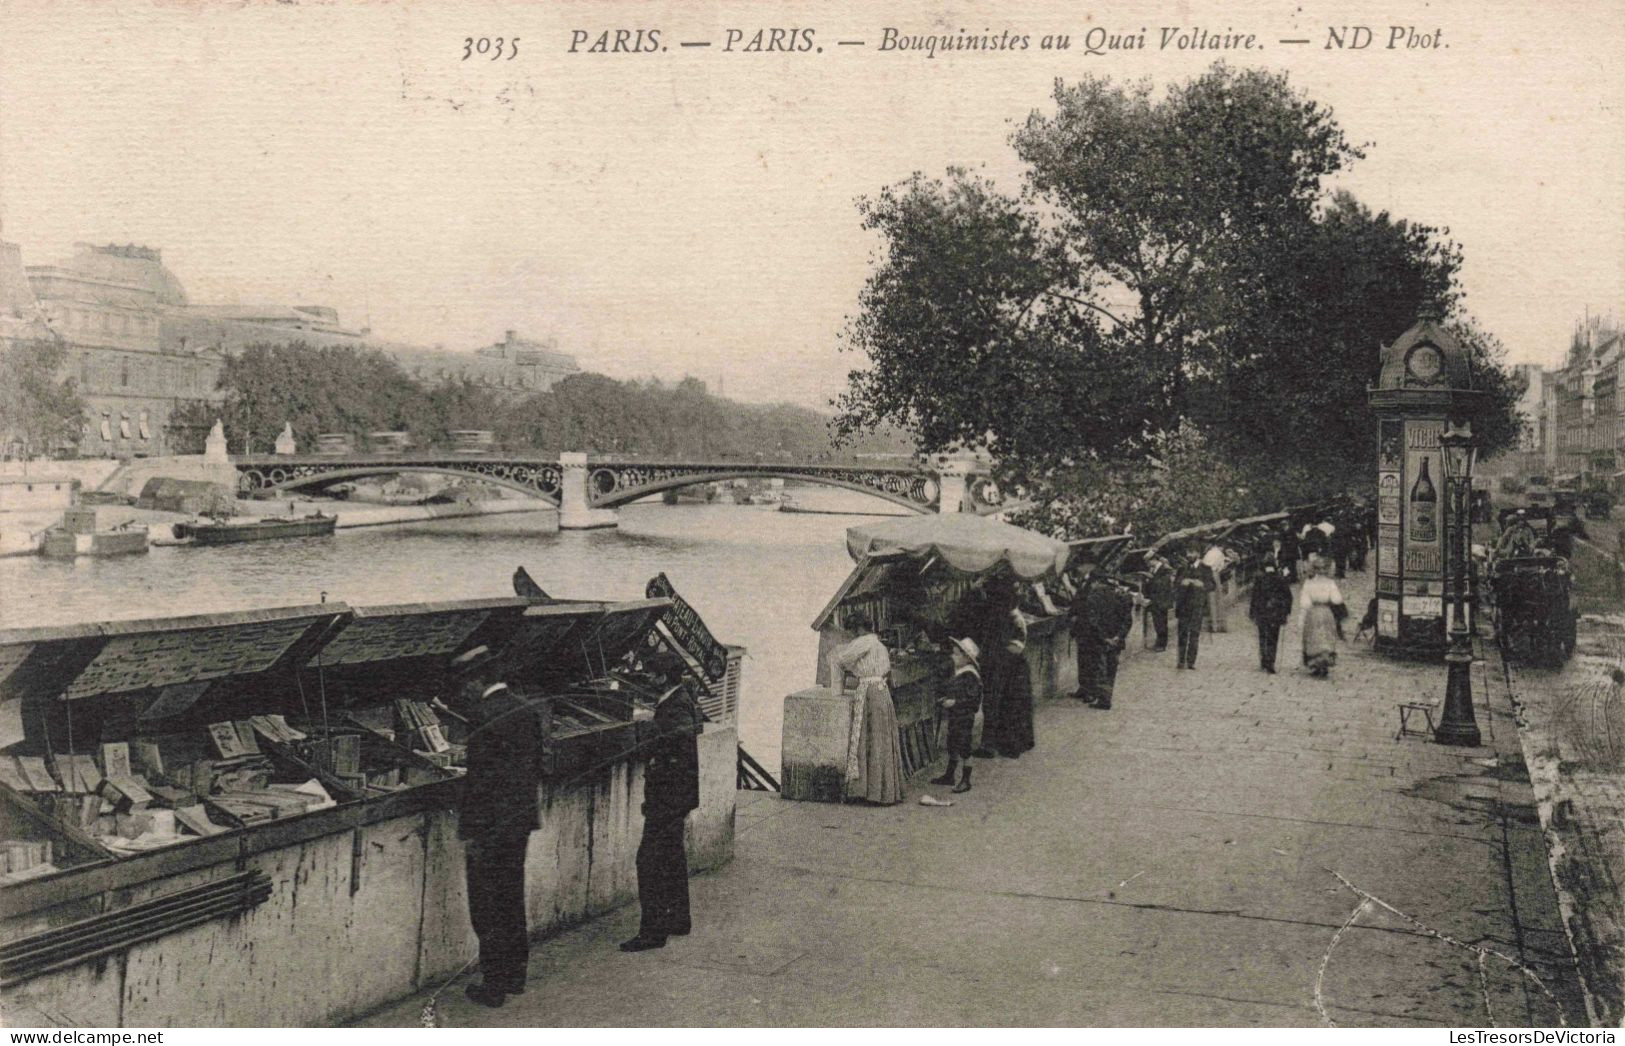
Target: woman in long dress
(1322, 604)
(874, 761)
(1012, 680)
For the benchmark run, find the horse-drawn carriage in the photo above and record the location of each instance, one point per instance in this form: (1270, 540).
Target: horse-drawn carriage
(1531, 589)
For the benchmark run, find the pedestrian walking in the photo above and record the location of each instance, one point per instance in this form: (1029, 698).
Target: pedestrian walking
(1190, 607)
(1159, 595)
(671, 789)
(1313, 541)
(1323, 613)
(874, 760)
(496, 815)
(1338, 545)
(1288, 552)
(959, 702)
(1270, 606)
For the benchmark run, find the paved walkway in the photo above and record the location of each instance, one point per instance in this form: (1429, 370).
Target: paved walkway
(1170, 862)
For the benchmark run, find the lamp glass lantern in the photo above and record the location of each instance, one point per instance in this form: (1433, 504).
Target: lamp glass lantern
(1459, 450)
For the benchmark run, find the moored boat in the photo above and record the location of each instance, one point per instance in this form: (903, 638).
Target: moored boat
(229, 533)
(79, 535)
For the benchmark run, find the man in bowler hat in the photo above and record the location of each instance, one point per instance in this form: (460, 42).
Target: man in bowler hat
(671, 788)
(495, 819)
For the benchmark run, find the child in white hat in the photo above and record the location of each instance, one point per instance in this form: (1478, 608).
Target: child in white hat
(959, 705)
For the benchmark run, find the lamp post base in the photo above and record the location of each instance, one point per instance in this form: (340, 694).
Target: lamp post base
(1458, 727)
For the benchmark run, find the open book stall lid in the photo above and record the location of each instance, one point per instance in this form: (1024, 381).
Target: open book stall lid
(170, 665)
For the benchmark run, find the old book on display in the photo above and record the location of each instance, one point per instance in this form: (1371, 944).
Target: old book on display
(38, 776)
(116, 759)
(226, 740)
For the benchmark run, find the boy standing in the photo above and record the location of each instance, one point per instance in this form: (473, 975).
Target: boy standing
(959, 705)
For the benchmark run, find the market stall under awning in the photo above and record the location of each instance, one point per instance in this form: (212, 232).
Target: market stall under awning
(965, 542)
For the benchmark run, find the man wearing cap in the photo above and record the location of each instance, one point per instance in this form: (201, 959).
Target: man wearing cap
(495, 819)
(671, 788)
(1109, 618)
(959, 704)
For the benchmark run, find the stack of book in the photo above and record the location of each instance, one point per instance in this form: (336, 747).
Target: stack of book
(420, 727)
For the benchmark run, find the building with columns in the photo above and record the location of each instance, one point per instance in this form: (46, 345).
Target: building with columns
(138, 348)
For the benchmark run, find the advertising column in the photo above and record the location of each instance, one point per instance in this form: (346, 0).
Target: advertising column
(1390, 497)
(1422, 587)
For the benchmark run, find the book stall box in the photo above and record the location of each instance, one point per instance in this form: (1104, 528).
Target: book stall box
(141, 735)
(392, 700)
(145, 736)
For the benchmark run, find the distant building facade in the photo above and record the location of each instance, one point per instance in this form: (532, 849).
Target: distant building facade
(138, 348)
(516, 366)
(1585, 405)
(105, 305)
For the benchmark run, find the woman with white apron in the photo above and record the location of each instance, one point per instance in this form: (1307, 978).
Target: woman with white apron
(874, 754)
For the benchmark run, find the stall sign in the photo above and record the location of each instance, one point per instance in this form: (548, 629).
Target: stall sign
(689, 631)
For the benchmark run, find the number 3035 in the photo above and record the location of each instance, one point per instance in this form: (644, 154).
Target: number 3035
(493, 46)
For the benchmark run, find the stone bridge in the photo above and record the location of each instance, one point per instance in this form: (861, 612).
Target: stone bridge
(587, 491)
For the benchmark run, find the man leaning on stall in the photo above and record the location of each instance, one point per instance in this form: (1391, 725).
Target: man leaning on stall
(671, 790)
(497, 815)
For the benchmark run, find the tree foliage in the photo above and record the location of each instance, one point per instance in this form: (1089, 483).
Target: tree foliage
(1174, 268)
(39, 409)
(344, 389)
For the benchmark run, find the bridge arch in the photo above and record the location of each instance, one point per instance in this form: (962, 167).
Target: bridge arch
(615, 493)
(273, 477)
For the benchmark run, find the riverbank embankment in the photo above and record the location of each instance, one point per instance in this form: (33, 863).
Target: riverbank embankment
(22, 532)
(1222, 847)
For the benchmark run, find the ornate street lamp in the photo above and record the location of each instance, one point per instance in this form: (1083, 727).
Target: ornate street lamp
(1458, 725)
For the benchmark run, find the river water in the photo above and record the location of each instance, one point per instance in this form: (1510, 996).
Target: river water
(757, 577)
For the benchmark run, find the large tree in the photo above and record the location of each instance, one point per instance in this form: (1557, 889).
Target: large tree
(1173, 268)
(40, 411)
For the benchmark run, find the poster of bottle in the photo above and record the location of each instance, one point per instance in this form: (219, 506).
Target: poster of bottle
(1423, 489)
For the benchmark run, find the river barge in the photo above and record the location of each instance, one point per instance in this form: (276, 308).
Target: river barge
(268, 797)
(231, 533)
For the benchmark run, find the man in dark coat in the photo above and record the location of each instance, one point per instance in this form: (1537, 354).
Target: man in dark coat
(1109, 619)
(1191, 590)
(1083, 630)
(495, 818)
(1269, 608)
(1159, 594)
(1290, 552)
(671, 788)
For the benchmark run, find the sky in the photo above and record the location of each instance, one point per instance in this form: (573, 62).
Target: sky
(691, 211)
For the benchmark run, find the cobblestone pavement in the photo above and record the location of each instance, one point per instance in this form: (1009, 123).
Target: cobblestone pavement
(1573, 731)
(1191, 857)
